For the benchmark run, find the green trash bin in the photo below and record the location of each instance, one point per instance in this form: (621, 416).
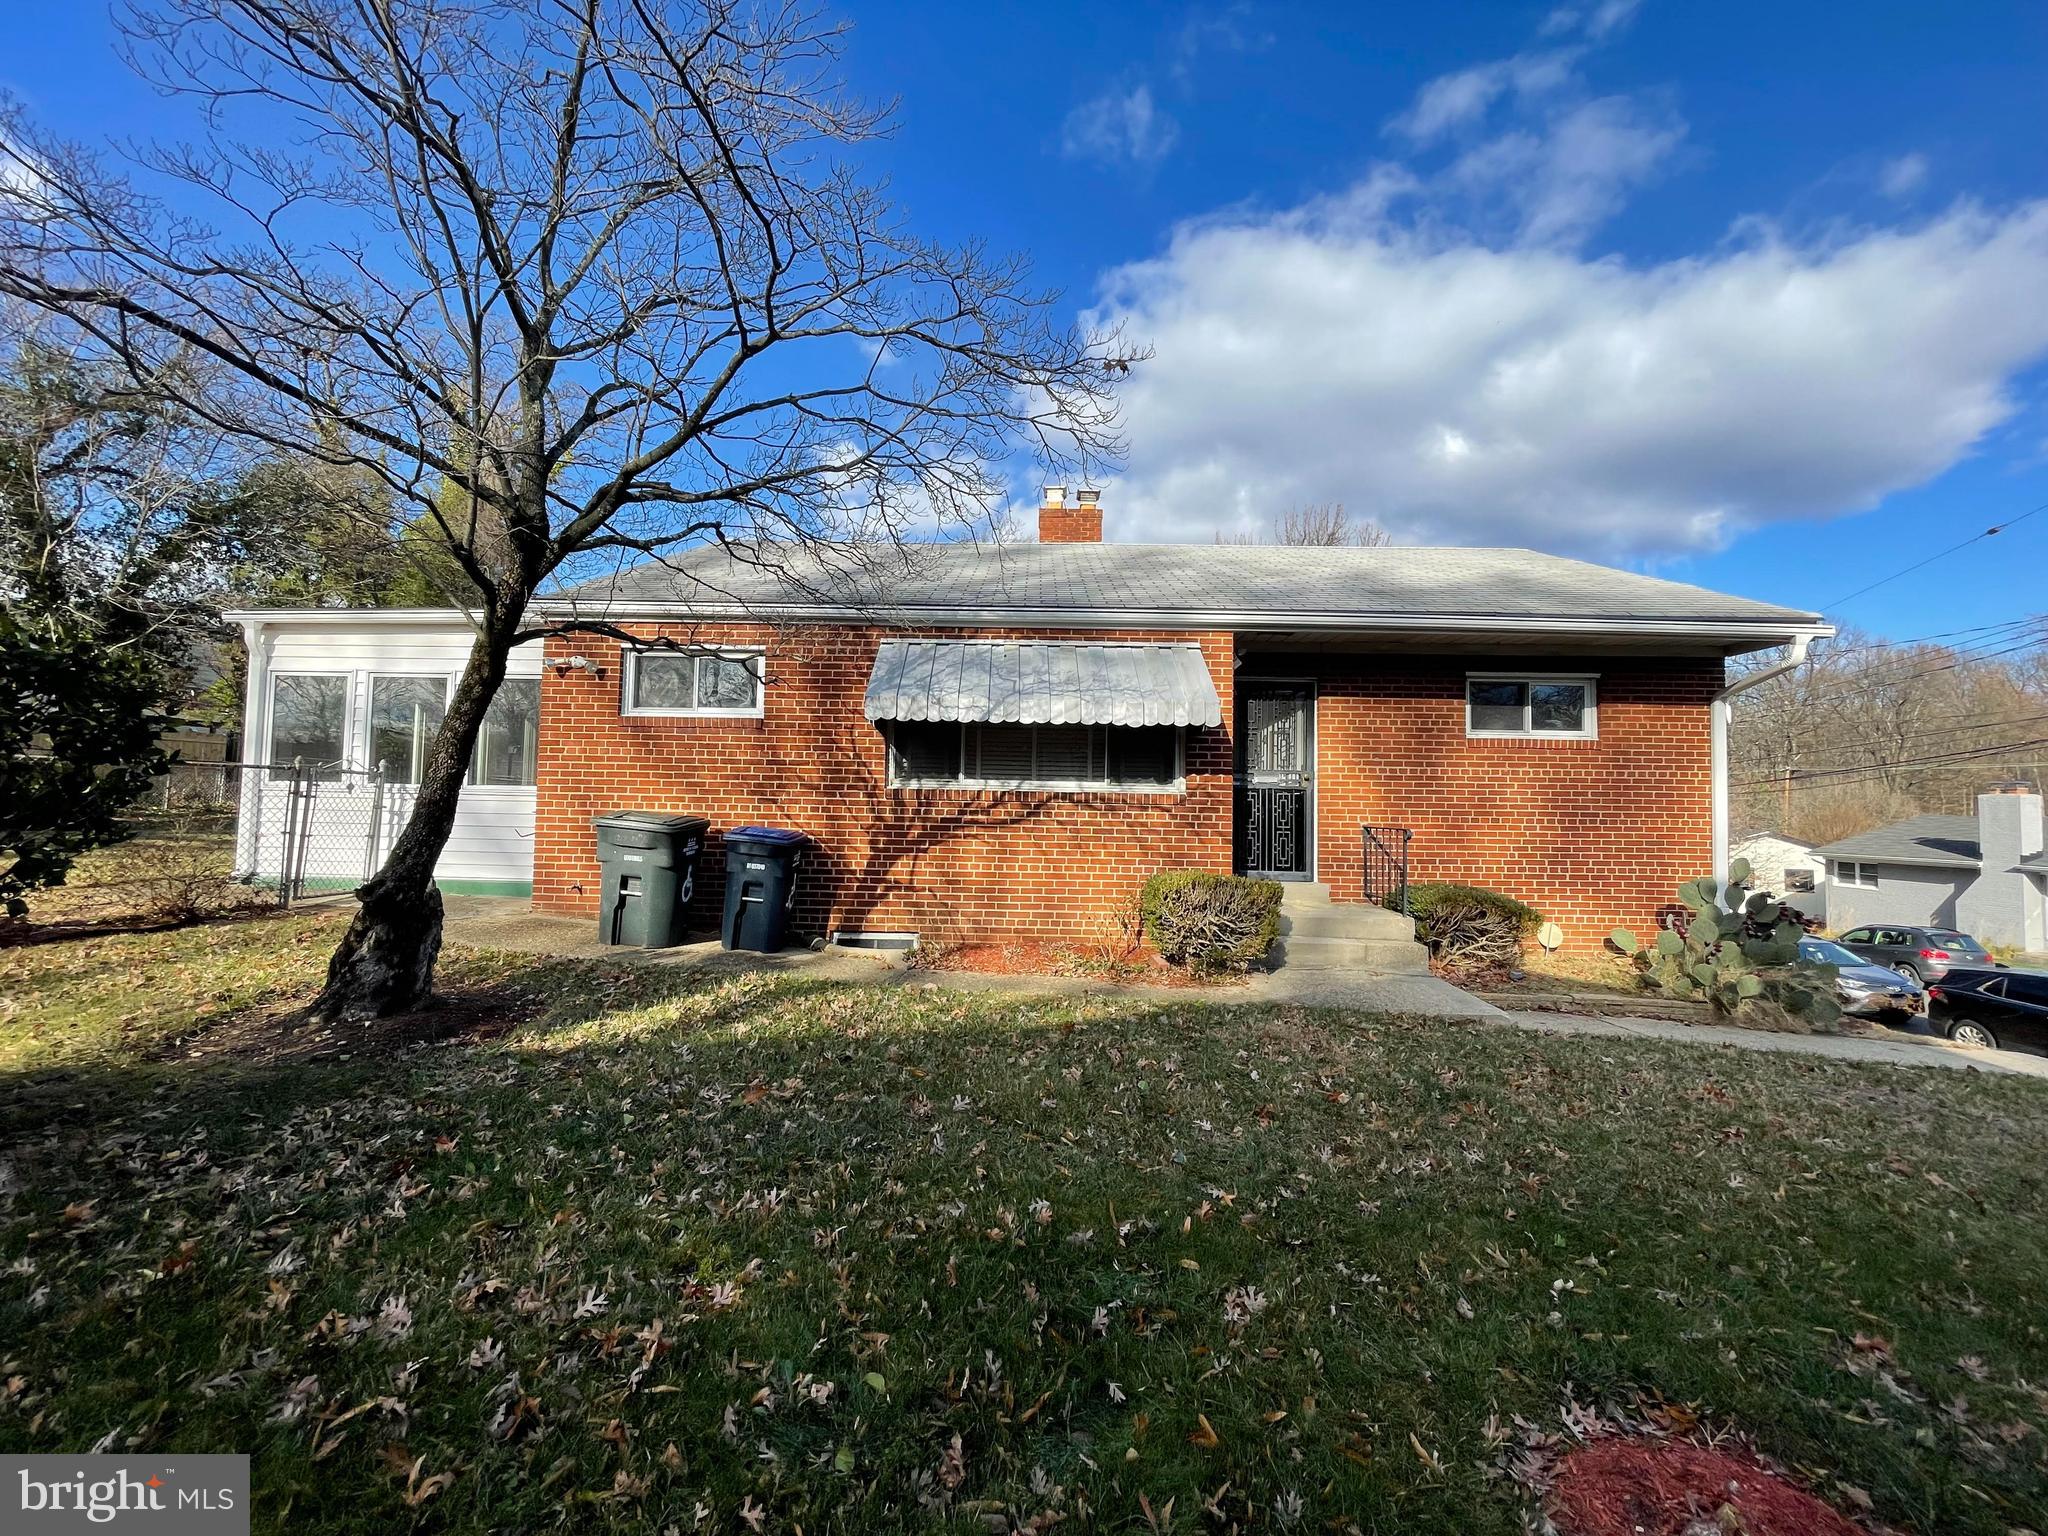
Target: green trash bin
(650, 871)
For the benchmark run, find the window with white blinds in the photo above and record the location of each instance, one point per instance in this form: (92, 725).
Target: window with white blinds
(951, 754)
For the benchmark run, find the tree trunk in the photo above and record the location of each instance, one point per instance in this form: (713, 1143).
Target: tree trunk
(385, 962)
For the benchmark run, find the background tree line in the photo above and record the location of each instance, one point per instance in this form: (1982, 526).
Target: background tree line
(127, 522)
(1873, 731)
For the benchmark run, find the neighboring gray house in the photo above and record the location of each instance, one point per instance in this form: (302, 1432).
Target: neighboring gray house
(1985, 874)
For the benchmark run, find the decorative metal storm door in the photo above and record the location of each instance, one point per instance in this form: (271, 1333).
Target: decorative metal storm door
(1277, 779)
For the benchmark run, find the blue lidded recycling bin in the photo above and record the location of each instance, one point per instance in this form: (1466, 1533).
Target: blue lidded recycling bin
(761, 865)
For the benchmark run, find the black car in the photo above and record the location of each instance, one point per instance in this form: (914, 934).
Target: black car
(1925, 954)
(1977, 1005)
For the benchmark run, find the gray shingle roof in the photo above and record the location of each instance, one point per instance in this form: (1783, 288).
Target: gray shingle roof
(1041, 682)
(1946, 841)
(1169, 579)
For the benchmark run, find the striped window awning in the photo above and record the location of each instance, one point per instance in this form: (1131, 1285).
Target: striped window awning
(1042, 682)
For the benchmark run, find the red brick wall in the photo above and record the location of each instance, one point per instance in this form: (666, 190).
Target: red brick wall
(947, 863)
(1593, 833)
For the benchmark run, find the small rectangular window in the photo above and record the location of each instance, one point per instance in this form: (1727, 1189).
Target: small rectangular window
(405, 714)
(1056, 757)
(1849, 872)
(682, 683)
(505, 747)
(1530, 706)
(1798, 881)
(308, 716)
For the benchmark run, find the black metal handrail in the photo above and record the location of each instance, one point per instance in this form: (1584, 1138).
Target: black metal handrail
(1386, 863)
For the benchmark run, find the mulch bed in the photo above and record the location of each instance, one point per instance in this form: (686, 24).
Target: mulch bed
(269, 1037)
(1142, 967)
(1628, 1486)
(17, 932)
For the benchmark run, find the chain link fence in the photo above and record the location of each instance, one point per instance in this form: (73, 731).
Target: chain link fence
(312, 829)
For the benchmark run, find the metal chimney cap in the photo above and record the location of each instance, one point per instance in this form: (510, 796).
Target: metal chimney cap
(1055, 496)
(1088, 496)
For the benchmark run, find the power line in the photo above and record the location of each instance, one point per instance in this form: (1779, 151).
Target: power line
(1988, 723)
(1872, 769)
(1968, 660)
(1974, 538)
(1832, 649)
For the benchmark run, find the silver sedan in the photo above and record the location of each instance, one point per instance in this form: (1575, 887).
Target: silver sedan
(1861, 986)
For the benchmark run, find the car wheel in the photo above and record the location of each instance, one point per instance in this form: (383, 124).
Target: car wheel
(1970, 1032)
(1909, 971)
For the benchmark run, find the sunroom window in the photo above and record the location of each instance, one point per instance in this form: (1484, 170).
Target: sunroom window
(951, 754)
(405, 715)
(505, 747)
(308, 717)
(1530, 706)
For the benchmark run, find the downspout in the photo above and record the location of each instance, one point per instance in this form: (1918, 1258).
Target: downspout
(1723, 712)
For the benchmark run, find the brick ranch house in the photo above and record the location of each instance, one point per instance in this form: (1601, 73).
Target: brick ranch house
(1006, 740)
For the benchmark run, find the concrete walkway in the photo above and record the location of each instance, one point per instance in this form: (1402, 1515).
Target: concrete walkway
(1892, 1047)
(488, 922)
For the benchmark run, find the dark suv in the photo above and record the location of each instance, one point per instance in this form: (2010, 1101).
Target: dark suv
(1925, 954)
(1976, 1005)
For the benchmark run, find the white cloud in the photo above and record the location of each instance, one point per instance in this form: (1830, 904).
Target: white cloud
(1436, 347)
(1904, 176)
(1461, 392)
(1462, 98)
(1595, 21)
(1562, 180)
(1120, 127)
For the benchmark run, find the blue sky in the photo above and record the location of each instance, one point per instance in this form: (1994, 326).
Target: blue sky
(1754, 295)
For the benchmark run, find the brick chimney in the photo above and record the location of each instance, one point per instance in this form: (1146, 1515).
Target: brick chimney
(1059, 523)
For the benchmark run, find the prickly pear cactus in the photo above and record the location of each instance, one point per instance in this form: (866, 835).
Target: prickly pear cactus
(1737, 949)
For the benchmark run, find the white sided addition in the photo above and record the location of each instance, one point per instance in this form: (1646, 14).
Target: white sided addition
(352, 697)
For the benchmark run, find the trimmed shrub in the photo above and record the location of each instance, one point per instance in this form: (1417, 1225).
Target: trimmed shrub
(1468, 927)
(1210, 922)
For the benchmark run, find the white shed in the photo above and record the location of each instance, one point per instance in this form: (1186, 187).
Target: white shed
(1786, 867)
(340, 707)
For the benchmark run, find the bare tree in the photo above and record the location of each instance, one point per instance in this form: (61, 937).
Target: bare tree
(1328, 524)
(1320, 524)
(592, 263)
(1871, 731)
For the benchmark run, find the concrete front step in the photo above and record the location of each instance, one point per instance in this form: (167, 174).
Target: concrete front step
(1345, 920)
(1398, 957)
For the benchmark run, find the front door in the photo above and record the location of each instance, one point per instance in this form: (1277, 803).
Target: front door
(1276, 780)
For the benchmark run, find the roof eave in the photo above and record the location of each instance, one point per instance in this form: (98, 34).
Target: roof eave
(356, 617)
(1751, 633)
(1868, 857)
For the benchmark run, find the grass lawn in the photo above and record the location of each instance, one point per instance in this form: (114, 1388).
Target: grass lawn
(759, 1255)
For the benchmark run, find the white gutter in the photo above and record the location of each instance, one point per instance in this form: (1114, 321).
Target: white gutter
(1723, 712)
(1759, 632)
(353, 618)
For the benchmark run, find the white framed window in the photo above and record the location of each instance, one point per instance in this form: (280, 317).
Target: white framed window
(405, 716)
(308, 723)
(1509, 705)
(933, 754)
(660, 682)
(1849, 872)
